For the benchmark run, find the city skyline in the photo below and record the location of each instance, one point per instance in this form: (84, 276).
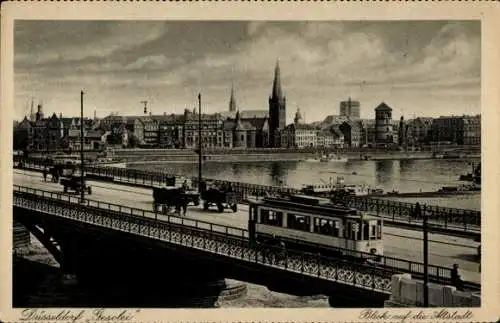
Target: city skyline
(422, 68)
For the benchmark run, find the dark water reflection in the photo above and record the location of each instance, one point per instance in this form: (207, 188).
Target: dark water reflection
(404, 175)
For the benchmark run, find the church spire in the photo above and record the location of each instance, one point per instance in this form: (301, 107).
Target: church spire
(277, 94)
(232, 100)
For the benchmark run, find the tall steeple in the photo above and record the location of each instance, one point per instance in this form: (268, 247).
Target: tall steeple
(232, 100)
(277, 93)
(32, 111)
(277, 110)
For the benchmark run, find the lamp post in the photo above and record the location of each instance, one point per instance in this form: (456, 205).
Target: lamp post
(199, 142)
(81, 147)
(426, 259)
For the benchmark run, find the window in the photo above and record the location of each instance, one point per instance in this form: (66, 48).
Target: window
(271, 217)
(298, 222)
(327, 227)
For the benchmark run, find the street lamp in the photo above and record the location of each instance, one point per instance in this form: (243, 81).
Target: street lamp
(199, 143)
(81, 148)
(426, 259)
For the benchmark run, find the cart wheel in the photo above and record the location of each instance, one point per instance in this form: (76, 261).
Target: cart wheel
(220, 207)
(205, 206)
(234, 207)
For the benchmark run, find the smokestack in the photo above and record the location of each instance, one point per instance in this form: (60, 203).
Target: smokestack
(95, 115)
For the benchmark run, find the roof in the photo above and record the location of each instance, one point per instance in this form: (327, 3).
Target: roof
(383, 107)
(256, 122)
(246, 114)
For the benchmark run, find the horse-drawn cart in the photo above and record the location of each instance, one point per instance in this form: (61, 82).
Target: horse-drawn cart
(168, 197)
(221, 196)
(76, 184)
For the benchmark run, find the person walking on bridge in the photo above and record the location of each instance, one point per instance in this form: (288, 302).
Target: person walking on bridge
(456, 280)
(417, 213)
(45, 174)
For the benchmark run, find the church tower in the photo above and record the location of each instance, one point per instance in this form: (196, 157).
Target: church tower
(277, 109)
(232, 101)
(298, 117)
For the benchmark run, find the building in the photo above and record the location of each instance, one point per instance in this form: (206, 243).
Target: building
(170, 131)
(350, 109)
(23, 134)
(383, 125)
(277, 110)
(472, 130)
(448, 130)
(457, 130)
(92, 139)
(351, 132)
(419, 130)
(46, 133)
(211, 130)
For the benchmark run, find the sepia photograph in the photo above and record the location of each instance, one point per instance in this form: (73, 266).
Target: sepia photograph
(246, 163)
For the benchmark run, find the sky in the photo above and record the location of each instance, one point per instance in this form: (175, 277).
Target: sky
(421, 68)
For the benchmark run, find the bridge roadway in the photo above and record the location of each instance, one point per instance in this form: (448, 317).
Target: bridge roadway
(398, 242)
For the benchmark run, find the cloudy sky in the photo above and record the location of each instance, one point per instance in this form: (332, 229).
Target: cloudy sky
(427, 68)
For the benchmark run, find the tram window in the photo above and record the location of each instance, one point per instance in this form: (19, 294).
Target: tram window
(325, 226)
(358, 230)
(366, 230)
(298, 222)
(271, 217)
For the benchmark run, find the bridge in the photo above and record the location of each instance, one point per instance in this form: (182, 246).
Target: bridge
(195, 241)
(449, 221)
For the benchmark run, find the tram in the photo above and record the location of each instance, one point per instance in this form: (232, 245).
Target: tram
(317, 225)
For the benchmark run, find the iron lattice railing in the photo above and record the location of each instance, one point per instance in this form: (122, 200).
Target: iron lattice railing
(159, 226)
(215, 239)
(444, 217)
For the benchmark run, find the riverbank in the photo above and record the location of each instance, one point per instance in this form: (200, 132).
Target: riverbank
(186, 156)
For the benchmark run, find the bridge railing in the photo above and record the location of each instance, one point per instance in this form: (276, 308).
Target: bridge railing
(389, 265)
(213, 242)
(468, 220)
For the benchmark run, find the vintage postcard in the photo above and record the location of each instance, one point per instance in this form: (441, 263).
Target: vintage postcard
(250, 162)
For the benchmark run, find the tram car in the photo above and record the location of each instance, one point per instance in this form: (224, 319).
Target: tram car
(221, 196)
(316, 225)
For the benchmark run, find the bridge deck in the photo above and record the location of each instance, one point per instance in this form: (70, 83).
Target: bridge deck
(400, 243)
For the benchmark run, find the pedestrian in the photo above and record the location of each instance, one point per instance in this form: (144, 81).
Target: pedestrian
(418, 211)
(44, 174)
(456, 280)
(184, 206)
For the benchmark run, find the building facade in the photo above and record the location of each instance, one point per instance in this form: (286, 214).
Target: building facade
(383, 124)
(350, 109)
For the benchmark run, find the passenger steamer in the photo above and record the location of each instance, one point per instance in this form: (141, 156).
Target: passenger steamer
(316, 225)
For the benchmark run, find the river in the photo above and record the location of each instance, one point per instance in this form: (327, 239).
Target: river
(402, 175)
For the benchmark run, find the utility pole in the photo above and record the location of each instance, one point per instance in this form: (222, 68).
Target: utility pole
(199, 142)
(81, 147)
(426, 259)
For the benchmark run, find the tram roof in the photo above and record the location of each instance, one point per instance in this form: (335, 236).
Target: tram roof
(325, 207)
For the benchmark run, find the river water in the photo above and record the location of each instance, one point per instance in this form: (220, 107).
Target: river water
(402, 175)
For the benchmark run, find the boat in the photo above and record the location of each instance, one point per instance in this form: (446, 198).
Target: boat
(333, 158)
(340, 186)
